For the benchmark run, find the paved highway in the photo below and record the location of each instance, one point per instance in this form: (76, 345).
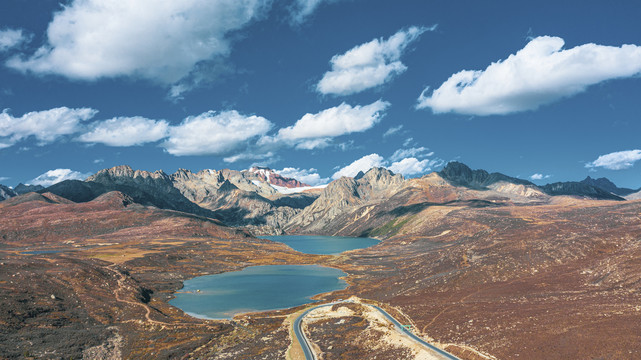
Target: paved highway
(309, 354)
(414, 337)
(300, 335)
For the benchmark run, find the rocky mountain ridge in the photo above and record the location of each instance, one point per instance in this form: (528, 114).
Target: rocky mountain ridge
(23, 188)
(6, 192)
(607, 185)
(271, 177)
(356, 206)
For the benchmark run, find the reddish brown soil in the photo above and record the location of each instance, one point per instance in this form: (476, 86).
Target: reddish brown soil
(558, 281)
(108, 286)
(529, 282)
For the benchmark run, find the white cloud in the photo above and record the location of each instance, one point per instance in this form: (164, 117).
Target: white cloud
(410, 166)
(617, 160)
(11, 38)
(540, 73)
(307, 176)
(214, 133)
(126, 131)
(393, 130)
(55, 176)
(160, 40)
(538, 176)
(363, 164)
(98, 161)
(46, 126)
(312, 144)
(332, 122)
(409, 141)
(411, 152)
(368, 65)
(3, 178)
(301, 10)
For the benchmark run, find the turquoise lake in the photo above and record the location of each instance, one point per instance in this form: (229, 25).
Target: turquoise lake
(256, 288)
(323, 245)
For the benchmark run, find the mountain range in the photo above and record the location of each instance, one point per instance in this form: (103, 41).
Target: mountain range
(98, 260)
(267, 203)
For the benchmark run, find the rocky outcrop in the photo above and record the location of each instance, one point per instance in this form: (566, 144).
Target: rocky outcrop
(607, 185)
(146, 188)
(240, 200)
(270, 176)
(574, 188)
(347, 206)
(343, 196)
(23, 189)
(633, 196)
(459, 174)
(6, 192)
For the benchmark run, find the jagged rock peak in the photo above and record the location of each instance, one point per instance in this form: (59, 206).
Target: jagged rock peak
(379, 174)
(23, 189)
(120, 170)
(458, 170)
(270, 176)
(183, 174)
(460, 174)
(6, 192)
(227, 186)
(126, 171)
(575, 188)
(607, 185)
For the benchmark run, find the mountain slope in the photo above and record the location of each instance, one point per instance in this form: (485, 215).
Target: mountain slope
(271, 177)
(6, 192)
(343, 196)
(238, 200)
(459, 174)
(607, 185)
(23, 189)
(574, 188)
(143, 187)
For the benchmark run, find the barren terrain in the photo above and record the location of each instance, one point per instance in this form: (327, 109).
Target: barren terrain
(485, 279)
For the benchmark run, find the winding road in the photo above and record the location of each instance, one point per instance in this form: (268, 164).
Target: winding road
(309, 353)
(413, 336)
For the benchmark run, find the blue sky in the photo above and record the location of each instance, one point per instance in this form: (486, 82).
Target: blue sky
(320, 88)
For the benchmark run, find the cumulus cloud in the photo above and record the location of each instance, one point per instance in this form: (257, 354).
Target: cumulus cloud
(46, 126)
(368, 65)
(332, 122)
(617, 160)
(420, 152)
(214, 133)
(11, 38)
(307, 176)
(160, 40)
(538, 176)
(126, 131)
(404, 161)
(363, 164)
(540, 73)
(410, 166)
(55, 176)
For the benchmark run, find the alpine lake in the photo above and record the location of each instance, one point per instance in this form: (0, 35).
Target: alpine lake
(269, 287)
